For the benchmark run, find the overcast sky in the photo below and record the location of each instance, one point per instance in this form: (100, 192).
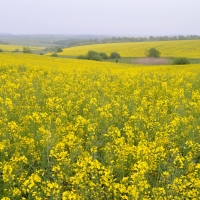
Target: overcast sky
(101, 17)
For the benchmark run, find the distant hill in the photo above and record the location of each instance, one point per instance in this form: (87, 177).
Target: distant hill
(87, 40)
(2, 42)
(178, 48)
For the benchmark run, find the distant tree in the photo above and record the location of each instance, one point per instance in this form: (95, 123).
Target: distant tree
(1, 50)
(173, 38)
(180, 61)
(181, 37)
(93, 55)
(2, 42)
(81, 57)
(103, 55)
(46, 49)
(54, 55)
(153, 53)
(151, 38)
(114, 55)
(59, 49)
(16, 50)
(26, 50)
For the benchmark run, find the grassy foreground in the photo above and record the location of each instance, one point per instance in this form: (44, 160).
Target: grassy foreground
(73, 129)
(182, 48)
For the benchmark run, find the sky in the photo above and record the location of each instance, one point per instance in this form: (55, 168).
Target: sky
(100, 17)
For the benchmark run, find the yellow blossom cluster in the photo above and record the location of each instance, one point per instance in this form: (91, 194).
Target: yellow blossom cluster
(72, 129)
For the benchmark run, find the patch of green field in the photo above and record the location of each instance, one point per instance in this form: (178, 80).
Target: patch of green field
(133, 60)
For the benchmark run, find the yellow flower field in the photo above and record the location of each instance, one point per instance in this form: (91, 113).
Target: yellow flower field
(184, 48)
(73, 129)
(9, 47)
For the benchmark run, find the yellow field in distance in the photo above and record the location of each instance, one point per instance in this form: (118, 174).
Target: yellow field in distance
(184, 48)
(6, 47)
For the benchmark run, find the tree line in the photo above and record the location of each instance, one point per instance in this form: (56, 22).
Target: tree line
(2, 42)
(81, 42)
(99, 56)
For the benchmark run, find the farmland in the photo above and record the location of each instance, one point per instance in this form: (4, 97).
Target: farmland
(74, 129)
(182, 48)
(9, 48)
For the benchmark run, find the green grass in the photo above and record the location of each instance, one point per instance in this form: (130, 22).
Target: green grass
(128, 60)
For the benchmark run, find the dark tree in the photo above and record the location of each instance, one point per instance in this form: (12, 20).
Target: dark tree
(103, 55)
(114, 55)
(93, 55)
(153, 53)
(180, 61)
(26, 50)
(59, 49)
(54, 55)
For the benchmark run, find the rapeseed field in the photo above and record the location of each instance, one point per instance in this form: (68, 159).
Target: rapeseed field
(181, 48)
(8, 47)
(72, 129)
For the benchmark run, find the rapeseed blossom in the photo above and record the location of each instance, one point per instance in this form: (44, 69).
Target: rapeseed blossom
(72, 129)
